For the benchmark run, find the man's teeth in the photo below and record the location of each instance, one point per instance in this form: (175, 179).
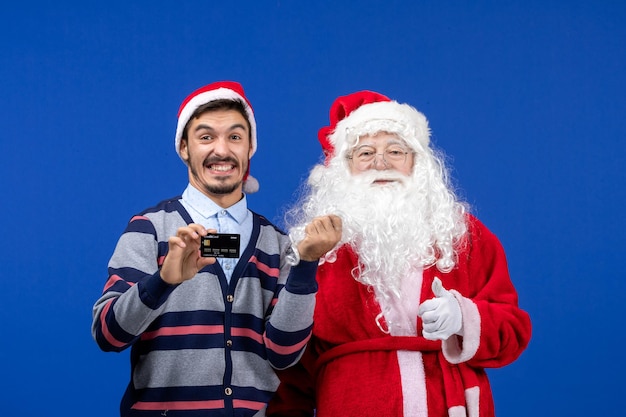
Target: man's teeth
(221, 167)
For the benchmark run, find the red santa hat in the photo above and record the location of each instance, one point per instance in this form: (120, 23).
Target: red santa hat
(228, 90)
(368, 112)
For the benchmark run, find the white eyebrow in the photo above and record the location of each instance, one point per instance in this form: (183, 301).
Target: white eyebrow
(390, 141)
(397, 141)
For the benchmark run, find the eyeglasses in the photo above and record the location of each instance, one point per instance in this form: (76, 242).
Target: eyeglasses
(365, 156)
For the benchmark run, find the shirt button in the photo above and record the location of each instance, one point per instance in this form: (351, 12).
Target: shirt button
(223, 213)
(228, 391)
(230, 298)
(229, 343)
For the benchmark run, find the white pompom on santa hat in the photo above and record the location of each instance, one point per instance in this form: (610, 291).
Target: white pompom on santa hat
(221, 90)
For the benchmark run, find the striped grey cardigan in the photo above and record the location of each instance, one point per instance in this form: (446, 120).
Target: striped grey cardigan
(204, 347)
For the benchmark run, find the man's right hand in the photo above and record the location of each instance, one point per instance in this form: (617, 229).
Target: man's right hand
(321, 235)
(183, 260)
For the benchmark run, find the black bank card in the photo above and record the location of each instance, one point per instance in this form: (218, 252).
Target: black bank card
(220, 245)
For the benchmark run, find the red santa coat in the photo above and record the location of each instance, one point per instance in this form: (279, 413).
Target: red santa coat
(352, 368)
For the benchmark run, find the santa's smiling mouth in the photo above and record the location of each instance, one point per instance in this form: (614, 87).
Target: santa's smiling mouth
(385, 181)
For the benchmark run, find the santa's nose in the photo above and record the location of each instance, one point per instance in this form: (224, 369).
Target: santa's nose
(380, 163)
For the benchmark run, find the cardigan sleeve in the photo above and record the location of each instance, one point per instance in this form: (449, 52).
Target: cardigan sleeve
(291, 320)
(295, 396)
(134, 291)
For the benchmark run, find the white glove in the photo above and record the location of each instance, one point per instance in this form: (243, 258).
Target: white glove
(441, 316)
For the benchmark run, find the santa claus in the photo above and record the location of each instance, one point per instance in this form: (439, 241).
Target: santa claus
(416, 300)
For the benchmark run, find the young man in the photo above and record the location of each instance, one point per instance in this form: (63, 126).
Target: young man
(416, 300)
(206, 336)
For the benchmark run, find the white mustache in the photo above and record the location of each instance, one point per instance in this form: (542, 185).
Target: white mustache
(370, 177)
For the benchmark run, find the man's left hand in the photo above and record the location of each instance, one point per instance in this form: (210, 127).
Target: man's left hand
(321, 235)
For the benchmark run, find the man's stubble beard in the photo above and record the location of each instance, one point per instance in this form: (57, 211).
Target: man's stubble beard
(216, 189)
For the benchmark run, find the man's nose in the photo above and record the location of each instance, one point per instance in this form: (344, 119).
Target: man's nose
(220, 146)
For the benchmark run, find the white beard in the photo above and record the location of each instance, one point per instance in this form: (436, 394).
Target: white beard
(392, 227)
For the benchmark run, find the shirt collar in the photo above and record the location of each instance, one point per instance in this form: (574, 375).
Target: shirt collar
(207, 207)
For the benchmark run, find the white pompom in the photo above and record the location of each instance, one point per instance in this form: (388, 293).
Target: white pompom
(250, 185)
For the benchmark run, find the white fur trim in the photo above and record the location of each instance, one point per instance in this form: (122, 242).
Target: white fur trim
(472, 405)
(391, 116)
(457, 411)
(456, 349)
(413, 383)
(472, 401)
(206, 97)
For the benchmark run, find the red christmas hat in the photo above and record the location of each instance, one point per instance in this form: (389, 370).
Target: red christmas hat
(341, 108)
(367, 112)
(229, 90)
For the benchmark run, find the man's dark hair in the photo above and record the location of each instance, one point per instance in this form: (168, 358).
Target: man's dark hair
(222, 104)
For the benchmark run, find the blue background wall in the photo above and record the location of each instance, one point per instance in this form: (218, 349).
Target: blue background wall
(526, 98)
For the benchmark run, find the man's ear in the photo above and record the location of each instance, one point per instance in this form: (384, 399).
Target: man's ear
(184, 150)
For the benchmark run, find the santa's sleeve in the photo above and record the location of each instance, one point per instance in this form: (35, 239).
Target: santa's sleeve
(495, 329)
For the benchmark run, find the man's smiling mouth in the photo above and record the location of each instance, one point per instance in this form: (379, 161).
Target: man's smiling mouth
(220, 167)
